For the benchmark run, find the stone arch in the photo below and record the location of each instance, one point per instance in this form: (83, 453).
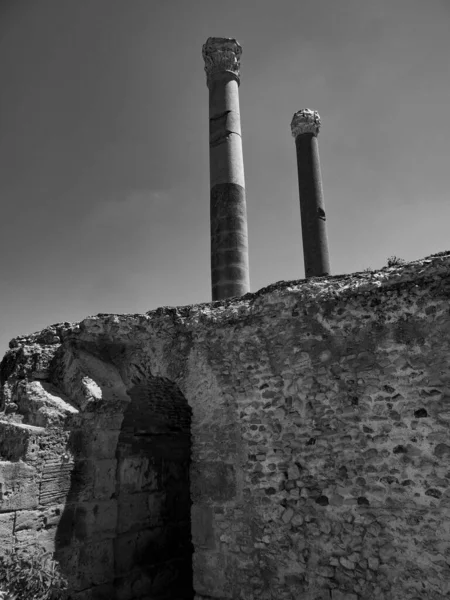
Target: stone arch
(125, 530)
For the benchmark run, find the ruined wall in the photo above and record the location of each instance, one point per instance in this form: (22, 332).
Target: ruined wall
(96, 470)
(319, 442)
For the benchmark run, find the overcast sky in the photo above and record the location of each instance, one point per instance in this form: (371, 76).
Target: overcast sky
(104, 183)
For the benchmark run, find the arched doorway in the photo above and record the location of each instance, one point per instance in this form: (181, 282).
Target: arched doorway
(153, 548)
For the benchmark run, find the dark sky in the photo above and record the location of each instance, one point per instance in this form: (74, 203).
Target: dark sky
(104, 184)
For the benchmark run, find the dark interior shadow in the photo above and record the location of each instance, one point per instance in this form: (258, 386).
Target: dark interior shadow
(125, 530)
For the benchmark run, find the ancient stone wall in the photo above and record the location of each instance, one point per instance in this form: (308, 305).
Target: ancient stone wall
(318, 414)
(103, 481)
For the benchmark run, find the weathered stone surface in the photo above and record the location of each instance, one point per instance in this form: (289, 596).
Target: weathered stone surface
(56, 480)
(305, 121)
(308, 421)
(215, 481)
(305, 127)
(229, 243)
(19, 441)
(96, 564)
(203, 527)
(42, 404)
(19, 487)
(38, 519)
(6, 531)
(229, 240)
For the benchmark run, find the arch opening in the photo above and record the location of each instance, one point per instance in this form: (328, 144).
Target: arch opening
(153, 548)
(125, 526)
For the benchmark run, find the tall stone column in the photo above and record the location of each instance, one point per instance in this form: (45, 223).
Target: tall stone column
(305, 127)
(228, 212)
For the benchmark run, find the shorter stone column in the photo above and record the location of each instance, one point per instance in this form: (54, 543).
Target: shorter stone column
(305, 126)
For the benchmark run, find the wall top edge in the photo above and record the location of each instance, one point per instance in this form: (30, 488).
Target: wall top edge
(312, 290)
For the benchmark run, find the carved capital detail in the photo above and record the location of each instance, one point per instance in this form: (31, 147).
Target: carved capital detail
(305, 121)
(220, 55)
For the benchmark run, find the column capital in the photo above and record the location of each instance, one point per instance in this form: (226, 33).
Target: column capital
(221, 55)
(305, 121)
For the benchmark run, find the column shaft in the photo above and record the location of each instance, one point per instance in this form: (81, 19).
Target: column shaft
(228, 213)
(312, 209)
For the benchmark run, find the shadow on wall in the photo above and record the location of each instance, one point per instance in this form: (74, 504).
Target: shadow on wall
(125, 531)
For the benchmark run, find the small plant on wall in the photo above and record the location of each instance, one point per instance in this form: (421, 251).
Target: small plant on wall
(31, 577)
(393, 261)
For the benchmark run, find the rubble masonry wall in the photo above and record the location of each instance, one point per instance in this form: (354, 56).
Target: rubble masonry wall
(318, 454)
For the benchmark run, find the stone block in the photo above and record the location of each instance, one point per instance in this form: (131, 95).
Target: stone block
(177, 506)
(287, 515)
(95, 444)
(68, 558)
(93, 480)
(209, 574)
(43, 404)
(139, 511)
(56, 480)
(215, 481)
(19, 441)
(6, 531)
(96, 520)
(125, 552)
(170, 579)
(387, 552)
(44, 539)
(202, 527)
(123, 587)
(96, 564)
(19, 486)
(82, 481)
(38, 519)
(105, 421)
(162, 544)
(105, 478)
(136, 474)
(66, 527)
(175, 473)
(154, 546)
